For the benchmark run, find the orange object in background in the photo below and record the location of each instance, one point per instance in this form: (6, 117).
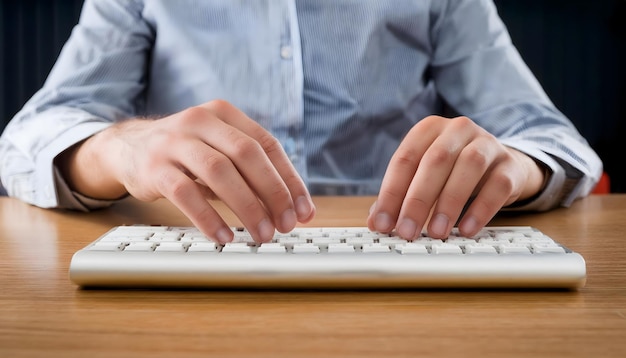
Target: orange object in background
(603, 186)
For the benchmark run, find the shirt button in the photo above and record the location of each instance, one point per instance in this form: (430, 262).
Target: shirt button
(286, 52)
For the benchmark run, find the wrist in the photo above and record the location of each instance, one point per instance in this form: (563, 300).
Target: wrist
(537, 176)
(87, 168)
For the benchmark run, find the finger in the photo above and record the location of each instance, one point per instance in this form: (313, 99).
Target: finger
(247, 156)
(432, 175)
(220, 175)
(472, 164)
(502, 186)
(400, 172)
(305, 209)
(187, 196)
(259, 172)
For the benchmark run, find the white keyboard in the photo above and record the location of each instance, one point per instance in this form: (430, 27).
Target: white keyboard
(330, 257)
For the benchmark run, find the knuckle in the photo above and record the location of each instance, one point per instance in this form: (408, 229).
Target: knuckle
(503, 183)
(476, 157)
(462, 122)
(405, 158)
(427, 122)
(216, 164)
(432, 118)
(269, 143)
(172, 186)
(293, 179)
(205, 215)
(209, 163)
(417, 203)
(466, 125)
(192, 116)
(279, 192)
(438, 155)
(245, 147)
(251, 205)
(454, 200)
(219, 106)
(484, 208)
(393, 193)
(250, 209)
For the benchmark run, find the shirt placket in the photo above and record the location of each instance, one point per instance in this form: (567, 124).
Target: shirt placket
(287, 100)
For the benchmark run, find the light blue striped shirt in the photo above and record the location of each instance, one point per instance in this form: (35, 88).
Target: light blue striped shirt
(338, 82)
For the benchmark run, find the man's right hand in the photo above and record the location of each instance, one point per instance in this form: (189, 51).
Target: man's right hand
(210, 151)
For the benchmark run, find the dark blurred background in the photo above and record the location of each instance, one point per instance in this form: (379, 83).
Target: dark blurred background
(576, 48)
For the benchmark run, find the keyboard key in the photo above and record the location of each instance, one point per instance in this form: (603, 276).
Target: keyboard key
(446, 249)
(242, 237)
(307, 248)
(194, 238)
(514, 249)
(428, 241)
(376, 248)
(165, 236)
(291, 240)
(532, 240)
(311, 234)
(412, 248)
(340, 248)
(134, 229)
(374, 235)
(271, 248)
(107, 246)
(140, 246)
(125, 238)
(493, 241)
(202, 246)
(543, 248)
(508, 235)
(325, 241)
(341, 236)
(460, 241)
(237, 247)
(480, 248)
(393, 240)
(359, 240)
(170, 246)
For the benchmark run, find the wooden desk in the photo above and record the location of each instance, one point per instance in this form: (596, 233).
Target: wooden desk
(43, 314)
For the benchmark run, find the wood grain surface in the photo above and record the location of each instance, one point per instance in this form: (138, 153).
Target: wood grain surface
(43, 314)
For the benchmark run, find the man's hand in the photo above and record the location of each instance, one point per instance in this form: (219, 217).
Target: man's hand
(205, 152)
(438, 167)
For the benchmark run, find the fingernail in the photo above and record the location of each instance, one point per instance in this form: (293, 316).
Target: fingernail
(223, 235)
(303, 207)
(382, 222)
(288, 219)
(439, 225)
(266, 230)
(407, 229)
(470, 225)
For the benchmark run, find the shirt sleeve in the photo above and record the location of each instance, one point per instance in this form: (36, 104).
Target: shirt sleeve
(98, 79)
(480, 74)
